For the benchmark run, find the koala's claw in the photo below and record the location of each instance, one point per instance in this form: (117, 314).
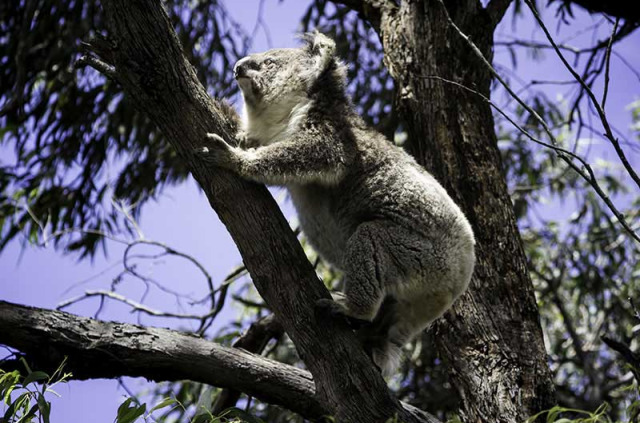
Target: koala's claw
(329, 308)
(215, 137)
(205, 153)
(216, 152)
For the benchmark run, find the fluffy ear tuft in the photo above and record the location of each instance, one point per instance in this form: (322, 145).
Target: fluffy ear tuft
(320, 47)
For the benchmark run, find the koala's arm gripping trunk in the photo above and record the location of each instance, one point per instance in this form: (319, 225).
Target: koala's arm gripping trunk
(298, 160)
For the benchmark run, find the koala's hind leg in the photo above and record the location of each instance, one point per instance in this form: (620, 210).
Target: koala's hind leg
(366, 266)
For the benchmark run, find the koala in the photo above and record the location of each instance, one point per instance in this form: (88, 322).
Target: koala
(405, 248)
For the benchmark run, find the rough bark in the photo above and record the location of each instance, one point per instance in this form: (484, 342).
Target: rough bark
(254, 340)
(149, 64)
(96, 349)
(492, 339)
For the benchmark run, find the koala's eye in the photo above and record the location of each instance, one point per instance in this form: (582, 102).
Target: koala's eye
(269, 62)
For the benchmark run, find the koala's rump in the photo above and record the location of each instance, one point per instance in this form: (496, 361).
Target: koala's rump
(400, 195)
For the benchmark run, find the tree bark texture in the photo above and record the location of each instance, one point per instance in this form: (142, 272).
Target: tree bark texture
(491, 339)
(254, 340)
(151, 67)
(96, 349)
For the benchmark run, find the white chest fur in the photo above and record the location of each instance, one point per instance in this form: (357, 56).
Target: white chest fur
(276, 122)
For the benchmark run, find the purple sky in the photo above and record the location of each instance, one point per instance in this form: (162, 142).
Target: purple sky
(183, 219)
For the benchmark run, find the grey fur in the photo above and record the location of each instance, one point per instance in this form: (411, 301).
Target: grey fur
(364, 204)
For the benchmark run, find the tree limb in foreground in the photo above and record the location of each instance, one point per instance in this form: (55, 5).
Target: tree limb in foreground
(254, 340)
(97, 349)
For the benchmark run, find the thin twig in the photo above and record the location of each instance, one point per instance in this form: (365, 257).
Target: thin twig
(133, 304)
(607, 61)
(125, 209)
(587, 174)
(537, 45)
(249, 303)
(211, 316)
(603, 118)
(130, 268)
(565, 155)
(260, 23)
(627, 64)
(104, 68)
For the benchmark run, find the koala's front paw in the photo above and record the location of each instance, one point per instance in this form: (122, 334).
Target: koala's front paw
(217, 152)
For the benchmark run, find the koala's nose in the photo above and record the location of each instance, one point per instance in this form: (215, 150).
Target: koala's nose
(243, 65)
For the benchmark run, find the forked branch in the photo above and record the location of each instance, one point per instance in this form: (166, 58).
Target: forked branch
(582, 167)
(594, 101)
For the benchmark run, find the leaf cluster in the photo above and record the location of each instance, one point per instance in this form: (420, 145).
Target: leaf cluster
(71, 140)
(25, 398)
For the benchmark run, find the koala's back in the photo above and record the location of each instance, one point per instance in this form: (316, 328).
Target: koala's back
(406, 249)
(384, 184)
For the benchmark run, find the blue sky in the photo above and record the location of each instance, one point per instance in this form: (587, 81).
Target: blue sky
(182, 217)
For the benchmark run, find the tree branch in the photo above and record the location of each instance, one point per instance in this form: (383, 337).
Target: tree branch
(135, 306)
(98, 349)
(496, 10)
(587, 172)
(371, 10)
(254, 340)
(102, 67)
(594, 101)
(632, 358)
(624, 9)
(157, 77)
(486, 358)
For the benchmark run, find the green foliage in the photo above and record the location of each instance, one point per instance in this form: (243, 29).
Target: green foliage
(25, 397)
(559, 415)
(583, 268)
(635, 114)
(131, 411)
(76, 141)
(235, 414)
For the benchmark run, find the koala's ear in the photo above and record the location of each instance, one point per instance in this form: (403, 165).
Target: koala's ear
(320, 47)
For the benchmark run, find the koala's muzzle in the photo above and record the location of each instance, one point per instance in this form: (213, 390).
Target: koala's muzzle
(242, 67)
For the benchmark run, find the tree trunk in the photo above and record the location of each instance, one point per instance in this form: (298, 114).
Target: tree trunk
(492, 339)
(153, 71)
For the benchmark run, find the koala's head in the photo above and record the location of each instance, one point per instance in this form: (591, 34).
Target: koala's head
(282, 76)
